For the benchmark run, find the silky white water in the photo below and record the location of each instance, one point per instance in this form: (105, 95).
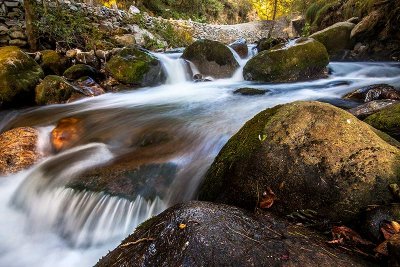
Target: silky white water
(45, 224)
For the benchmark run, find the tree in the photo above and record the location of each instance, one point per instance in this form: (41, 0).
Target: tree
(30, 18)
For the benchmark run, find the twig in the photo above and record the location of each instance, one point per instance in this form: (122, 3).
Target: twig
(137, 241)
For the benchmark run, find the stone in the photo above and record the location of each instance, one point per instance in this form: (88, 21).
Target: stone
(19, 74)
(371, 107)
(53, 62)
(374, 92)
(3, 30)
(125, 40)
(311, 155)
(366, 26)
(88, 58)
(88, 87)
(80, 70)
(133, 10)
(206, 234)
(211, 58)
(53, 90)
(387, 120)
(267, 43)
(11, 3)
(17, 35)
(136, 67)
(18, 149)
(336, 39)
(17, 42)
(67, 133)
(240, 47)
(302, 59)
(250, 91)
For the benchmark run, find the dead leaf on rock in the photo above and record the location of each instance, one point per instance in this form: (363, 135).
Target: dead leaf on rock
(343, 234)
(182, 226)
(268, 199)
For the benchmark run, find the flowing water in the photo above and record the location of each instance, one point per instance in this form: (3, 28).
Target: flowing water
(44, 223)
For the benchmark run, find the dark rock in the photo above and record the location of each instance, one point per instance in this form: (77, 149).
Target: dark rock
(88, 87)
(240, 47)
(250, 91)
(18, 149)
(88, 58)
(206, 234)
(311, 155)
(394, 250)
(19, 74)
(53, 63)
(53, 90)
(80, 70)
(137, 67)
(199, 78)
(265, 44)
(372, 107)
(302, 59)
(387, 120)
(374, 92)
(211, 58)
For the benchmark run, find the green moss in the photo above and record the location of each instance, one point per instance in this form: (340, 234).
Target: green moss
(53, 63)
(386, 120)
(19, 75)
(80, 70)
(305, 60)
(53, 89)
(209, 50)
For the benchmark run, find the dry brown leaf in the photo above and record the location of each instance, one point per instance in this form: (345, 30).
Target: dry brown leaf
(182, 226)
(349, 235)
(268, 199)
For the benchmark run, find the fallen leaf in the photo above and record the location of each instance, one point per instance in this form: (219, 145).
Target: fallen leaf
(348, 235)
(382, 248)
(268, 199)
(182, 226)
(396, 227)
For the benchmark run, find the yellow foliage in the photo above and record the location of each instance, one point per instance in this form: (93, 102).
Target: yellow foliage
(110, 3)
(265, 8)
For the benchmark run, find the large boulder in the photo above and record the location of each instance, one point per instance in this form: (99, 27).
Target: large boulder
(19, 74)
(211, 58)
(240, 47)
(336, 39)
(53, 62)
(367, 26)
(81, 70)
(371, 107)
(53, 90)
(387, 120)
(18, 149)
(207, 234)
(374, 92)
(298, 60)
(305, 155)
(136, 67)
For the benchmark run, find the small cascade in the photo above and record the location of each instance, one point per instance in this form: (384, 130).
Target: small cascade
(175, 67)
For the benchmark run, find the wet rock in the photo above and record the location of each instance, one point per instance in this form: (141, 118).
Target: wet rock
(336, 39)
(250, 91)
(394, 251)
(311, 155)
(88, 58)
(67, 133)
(387, 120)
(207, 234)
(302, 59)
(374, 92)
(19, 75)
(374, 217)
(80, 70)
(199, 78)
(211, 58)
(53, 63)
(88, 87)
(137, 67)
(371, 107)
(53, 90)
(267, 43)
(367, 25)
(240, 47)
(18, 149)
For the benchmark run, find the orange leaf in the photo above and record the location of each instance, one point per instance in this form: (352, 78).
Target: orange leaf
(268, 199)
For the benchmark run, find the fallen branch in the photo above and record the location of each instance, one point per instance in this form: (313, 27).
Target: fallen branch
(137, 241)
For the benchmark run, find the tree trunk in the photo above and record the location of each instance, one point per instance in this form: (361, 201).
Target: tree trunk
(29, 21)
(275, 9)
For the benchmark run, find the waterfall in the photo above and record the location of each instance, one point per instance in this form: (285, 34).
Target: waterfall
(175, 67)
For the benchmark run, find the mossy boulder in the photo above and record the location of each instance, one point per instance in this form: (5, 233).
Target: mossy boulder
(18, 149)
(53, 63)
(211, 58)
(206, 234)
(19, 74)
(136, 67)
(311, 155)
(53, 90)
(387, 120)
(302, 59)
(81, 70)
(336, 39)
(265, 44)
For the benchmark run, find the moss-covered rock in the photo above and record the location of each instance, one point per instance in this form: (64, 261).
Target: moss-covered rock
(311, 155)
(206, 234)
(53, 90)
(81, 70)
(336, 39)
(302, 59)
(18, 149)
(211, 58)
(387, 120)
(53, 62)
(19, 74)
(137, 67)
(265, 44)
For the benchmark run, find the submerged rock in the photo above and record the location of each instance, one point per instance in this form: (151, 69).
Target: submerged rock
(18, 149)
(311, 155)
(336, 39)
(80, 70)
(250, 91)
(137, 67)
(67, 133)
(371, 107)
(19, 74)
(206, 234)
(303, 59)
(374, 92)
(387, 120)
(53, 63)
(53, 90)
(211, 58)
